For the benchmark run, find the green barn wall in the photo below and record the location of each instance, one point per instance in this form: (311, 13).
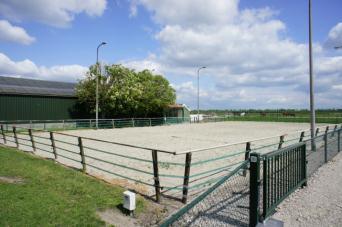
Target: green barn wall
(20, 107)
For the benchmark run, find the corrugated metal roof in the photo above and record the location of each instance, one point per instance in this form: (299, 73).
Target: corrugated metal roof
(11, 85)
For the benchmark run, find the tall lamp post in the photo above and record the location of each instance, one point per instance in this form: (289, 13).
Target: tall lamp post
(97, 83)
(338, 47)
(198, 73)
(312, 100)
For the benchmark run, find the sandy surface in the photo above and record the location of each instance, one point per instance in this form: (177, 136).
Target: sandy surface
(173, 138)
(319, 204)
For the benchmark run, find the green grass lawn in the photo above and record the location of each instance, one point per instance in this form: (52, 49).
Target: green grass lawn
(51, 195)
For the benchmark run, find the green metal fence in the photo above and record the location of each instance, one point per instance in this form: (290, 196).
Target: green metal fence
(283, 172)
(69, 124)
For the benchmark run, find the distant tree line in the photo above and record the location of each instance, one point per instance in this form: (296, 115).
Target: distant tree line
(124, 92)
(227, 111)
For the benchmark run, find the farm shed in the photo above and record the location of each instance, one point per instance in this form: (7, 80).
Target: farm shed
(177, 110)
(27, 99)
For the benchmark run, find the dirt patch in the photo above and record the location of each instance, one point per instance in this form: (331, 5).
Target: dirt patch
(117, 218)
(152, 215)
(11, 180)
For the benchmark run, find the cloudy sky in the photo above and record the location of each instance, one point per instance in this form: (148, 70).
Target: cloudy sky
(256, 52)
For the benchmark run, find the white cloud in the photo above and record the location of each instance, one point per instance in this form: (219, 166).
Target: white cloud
(29, 69)
(57, 13)
(334, 36)
(192, 13)
(11, 33)
(251, 61)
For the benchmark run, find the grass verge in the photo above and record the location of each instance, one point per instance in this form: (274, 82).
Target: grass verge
(51, 194)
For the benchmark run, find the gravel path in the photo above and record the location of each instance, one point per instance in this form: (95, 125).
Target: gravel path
(319, 204)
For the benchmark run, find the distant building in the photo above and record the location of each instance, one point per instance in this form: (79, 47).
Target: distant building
(27, 99)
(177, 110)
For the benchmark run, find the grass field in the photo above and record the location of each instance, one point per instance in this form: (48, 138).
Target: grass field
(321, 117)
(48, 194)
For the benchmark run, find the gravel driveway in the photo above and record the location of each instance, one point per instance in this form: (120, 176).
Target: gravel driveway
(319, 204)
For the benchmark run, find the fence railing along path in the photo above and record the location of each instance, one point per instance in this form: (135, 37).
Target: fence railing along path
(252, 191)
(67, 124)
(177, 174)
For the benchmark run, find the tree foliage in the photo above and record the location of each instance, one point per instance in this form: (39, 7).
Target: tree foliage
(124, 92)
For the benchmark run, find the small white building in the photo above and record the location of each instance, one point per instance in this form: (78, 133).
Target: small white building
(194, 117)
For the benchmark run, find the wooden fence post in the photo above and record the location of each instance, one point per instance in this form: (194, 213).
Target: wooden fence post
(156, 174)
(15, 136)
(186, 177)
(335, 128)
(302, 134)
(281, 141)
(247, 155)
(80, 144)
(3, 134)
(317, 131)
(326, 129)
(53, 145)
(32, 140)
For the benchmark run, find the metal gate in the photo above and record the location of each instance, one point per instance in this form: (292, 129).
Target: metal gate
(283, 171)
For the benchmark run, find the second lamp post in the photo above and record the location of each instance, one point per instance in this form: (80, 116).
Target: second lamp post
(97, 83)
(198, 71)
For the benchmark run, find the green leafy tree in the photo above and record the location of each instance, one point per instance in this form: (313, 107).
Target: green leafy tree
(125, 93)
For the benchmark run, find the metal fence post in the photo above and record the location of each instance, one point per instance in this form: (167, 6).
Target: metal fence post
(150, 122)
(3, 134)
(317, 131)
(53, 145)
(15, 136)
(339, 140)
(113, 123)
(254, 189)
(302, 134)
(80, 144)
(90, 123)
(133, 125)
(281, 141)
(304, 165)
(247, 155)
(326, 147)
(32, 140)
(186, 177)
(63, 124)
(156, 174)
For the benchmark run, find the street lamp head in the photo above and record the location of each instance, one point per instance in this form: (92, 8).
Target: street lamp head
(103, 43)
(338, 47)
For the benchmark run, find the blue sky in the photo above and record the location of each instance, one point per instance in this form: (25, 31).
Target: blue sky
(255, 51)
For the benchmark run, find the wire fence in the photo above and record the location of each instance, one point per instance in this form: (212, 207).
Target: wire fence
(224, 204)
